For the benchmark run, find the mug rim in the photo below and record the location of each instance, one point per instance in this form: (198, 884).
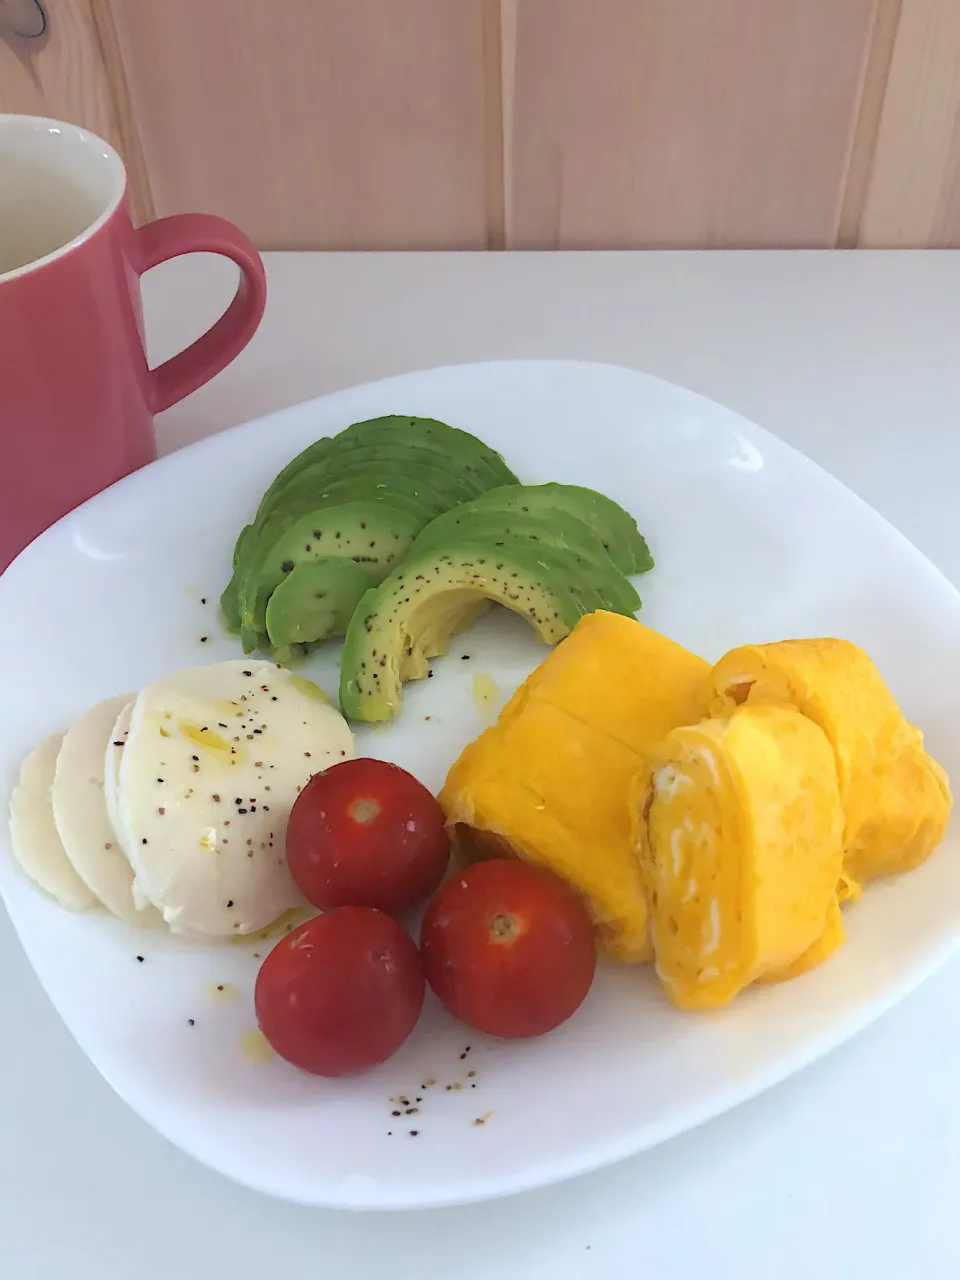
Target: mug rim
(120, 181)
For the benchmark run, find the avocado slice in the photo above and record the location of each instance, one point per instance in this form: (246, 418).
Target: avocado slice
(415, 611)
(230, 596)
(370, 534)
(614, 526)
(562, 532)
(450, 446)
(314, 601)
(438, 487)
(450, 484)
(405, 493)
(447, 464)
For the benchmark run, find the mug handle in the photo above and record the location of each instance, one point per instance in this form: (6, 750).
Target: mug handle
(203, 233)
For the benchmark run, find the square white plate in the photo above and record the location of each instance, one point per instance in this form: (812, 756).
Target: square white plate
(753, 542)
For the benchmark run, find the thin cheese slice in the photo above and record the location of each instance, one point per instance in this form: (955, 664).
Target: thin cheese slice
(738, 828)
(33, 832)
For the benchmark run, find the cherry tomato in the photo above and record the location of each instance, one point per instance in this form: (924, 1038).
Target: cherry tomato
(367, 833)
(508, 948)
(341, 993)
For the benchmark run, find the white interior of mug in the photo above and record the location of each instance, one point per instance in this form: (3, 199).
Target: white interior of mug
(58, 184)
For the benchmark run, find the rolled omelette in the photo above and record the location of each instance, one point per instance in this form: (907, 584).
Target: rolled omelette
(550, 781)
(896, 798)
(738, 827)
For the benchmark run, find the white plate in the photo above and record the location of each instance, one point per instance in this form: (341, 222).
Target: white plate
(753, 542)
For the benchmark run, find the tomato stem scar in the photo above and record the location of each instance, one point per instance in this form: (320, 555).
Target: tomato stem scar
(504, 927)
(364, 809)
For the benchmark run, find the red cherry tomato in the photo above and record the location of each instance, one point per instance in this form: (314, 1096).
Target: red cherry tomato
(508, 948)
(341, 993)
(367, 833)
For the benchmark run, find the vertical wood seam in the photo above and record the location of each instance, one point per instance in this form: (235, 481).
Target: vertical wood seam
(509, 18)
(141, 195)
(866, 131)
(494, 177)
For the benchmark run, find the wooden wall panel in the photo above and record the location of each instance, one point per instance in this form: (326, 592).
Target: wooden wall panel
(652, 123)
(317, 123)
(72, 74)
(913, 194)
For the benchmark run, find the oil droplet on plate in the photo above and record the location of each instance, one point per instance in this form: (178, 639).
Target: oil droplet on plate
(255, 1047)
(485, 693)
(284, 924)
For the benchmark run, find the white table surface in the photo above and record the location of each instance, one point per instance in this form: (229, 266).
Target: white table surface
(850, 1169)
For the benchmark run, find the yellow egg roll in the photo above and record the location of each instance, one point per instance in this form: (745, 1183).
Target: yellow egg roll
(738, 828)
(896, 798)
(550, 781)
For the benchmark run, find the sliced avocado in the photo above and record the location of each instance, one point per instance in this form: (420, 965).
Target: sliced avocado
(614, 526)
(404, 493)
(371, 534)
(482, 469)
(450, 483)
(387, 473)
(314, 601)
(423, 602)
(438, 487)
(561, 532)
(409, 488)
(229, 599)
(450, 445)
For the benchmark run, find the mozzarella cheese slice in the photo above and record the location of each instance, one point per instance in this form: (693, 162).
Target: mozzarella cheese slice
(111, 776)
(33, 832)
(80, 811)
(214, 761)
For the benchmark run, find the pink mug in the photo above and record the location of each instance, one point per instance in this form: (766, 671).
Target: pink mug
(77, 397)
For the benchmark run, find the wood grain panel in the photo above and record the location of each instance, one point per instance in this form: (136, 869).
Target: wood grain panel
(316, 123)
(68, 75)
(655, 123)
(913, 196)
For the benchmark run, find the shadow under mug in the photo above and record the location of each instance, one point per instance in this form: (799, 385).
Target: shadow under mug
(77, 398)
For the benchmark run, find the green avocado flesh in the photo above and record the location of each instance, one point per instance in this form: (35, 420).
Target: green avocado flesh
(314, 601)
(407, 493)
(561, 533)
(616, 528)
(369, 534)
(452, 448)
(432, 595)
(418, 467)
(397, 533)
(376, 462)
